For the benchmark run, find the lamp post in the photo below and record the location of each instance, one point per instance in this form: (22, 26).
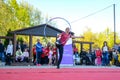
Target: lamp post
(114, 24)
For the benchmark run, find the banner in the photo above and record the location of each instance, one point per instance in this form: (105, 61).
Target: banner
(68, 54)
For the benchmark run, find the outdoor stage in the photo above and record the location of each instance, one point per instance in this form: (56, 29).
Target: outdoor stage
(64, 73)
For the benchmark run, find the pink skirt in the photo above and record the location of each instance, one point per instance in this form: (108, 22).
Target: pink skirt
(98, 60)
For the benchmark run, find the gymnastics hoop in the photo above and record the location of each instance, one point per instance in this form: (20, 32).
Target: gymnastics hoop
(54, 19)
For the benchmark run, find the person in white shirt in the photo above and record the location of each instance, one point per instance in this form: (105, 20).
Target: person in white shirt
(9, 53)
(105, 54)
(26, 55)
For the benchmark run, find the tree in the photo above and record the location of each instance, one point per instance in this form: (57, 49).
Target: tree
(6, 42)
(99, 38)
(15, 15)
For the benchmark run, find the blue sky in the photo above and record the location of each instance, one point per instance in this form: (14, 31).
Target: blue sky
(76, 9)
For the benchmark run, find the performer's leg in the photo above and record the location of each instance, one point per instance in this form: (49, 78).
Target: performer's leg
(60, 56)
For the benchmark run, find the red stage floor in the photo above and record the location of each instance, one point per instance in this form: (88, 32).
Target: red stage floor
(60, 74)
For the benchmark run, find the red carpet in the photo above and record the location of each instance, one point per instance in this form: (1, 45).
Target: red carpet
(60, 74)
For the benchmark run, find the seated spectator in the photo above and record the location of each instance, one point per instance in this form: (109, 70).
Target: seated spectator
(110, 56)
(89, 58)
(76, 56)
(83, 57)
(115, 56)
(19, 55)
(43, 55)
(26, 55)
(118, 64)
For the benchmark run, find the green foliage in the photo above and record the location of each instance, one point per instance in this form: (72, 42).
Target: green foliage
(6, 42)
(14, 15)
(20, 39)
(99, 38)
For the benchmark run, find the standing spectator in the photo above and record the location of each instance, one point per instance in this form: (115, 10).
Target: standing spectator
(9, 53)
(18, 46)
(2, 56)
(47, 49)
(43, 55)
(34, 53)
(98, 53)
(105, 54)
(24, 46)
(26, 55)
(19, 55)
(38, 52)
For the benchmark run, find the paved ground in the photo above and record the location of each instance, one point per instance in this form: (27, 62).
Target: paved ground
(64, 73)
(46, 66)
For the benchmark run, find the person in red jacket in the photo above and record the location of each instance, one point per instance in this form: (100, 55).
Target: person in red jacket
(34, 53)
(46, 53)
(43, 54)
(98, 53)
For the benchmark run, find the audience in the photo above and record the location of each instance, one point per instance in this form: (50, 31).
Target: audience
(48, 55)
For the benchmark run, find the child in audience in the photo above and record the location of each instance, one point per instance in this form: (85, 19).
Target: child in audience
(26, 55)
(50, 56)
(98, 53)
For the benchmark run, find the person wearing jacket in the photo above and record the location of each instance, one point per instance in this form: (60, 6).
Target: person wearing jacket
(38, 52)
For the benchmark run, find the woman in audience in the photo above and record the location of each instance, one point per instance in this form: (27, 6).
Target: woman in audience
(105, 58)
(9, 53)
